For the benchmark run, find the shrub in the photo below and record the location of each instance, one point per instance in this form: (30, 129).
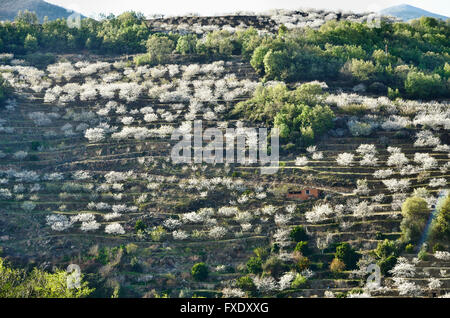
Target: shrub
(246, 283)
(393, 94)
(18, 283)
(303, 123)
(142, 59)
(423, 255)
(415, 215)
(200, 271)
(159, 49)
(303, 248)
(257, 60)
(386, 264)
(217, 43)
(337, 265)
(438, 247)
(276, 64)
(303, 263)
(420, 85)
(4, 90)
(30, 44)
(275, 266)
(261, 252)
(131, 248)
(40, 60)
(254, 265)
(386, 248)
(186, 44)
(299, 281)
(360, 69)
(347, 254)
(298, 234)
(360, 128)
(158, 233)
(139, 226)
(440, 228)
(409, 248)
(135, 264)
(381, 58)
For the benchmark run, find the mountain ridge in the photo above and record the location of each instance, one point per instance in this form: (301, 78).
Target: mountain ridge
(407, 12)
(10, 8)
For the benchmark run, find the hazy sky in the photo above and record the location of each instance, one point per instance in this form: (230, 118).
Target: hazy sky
(207, 7)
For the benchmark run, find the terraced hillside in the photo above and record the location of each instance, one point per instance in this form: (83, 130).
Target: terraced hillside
(87, 178)
(267, 22)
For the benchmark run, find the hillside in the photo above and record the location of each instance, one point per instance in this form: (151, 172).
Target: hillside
(103, 164)
(407, 12)
(10, 8)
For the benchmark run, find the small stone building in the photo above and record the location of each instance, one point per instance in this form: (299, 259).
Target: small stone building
(304, 194)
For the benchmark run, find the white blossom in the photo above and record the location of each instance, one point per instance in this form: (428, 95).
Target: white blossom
(114, 228)
(345, 159)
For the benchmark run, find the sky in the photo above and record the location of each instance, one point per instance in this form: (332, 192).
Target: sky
(93, 8)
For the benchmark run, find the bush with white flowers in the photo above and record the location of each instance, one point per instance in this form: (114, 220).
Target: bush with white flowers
(345, 159)
(114, 228)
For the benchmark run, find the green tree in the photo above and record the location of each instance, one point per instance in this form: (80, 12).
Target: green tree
(386, 248)
(249, 40)
(276, 65)
(299, 281)
(217, 43)
(415, 214)
(246, 283)
(386, 252)
(386, 264)
(186, 44)
(337, 265)
(420, 85)
(298, 234)
(275, 266)
(200, 271)
(381, 58)
(17, 283)
(440, 228)
(159, 49)
(30, 44)
(360, 70)
(302, 247)
(140, 226)
(347, 254)
(4, 90)
(254, 265)
(125, 33)
(26, 17)
(257, 60)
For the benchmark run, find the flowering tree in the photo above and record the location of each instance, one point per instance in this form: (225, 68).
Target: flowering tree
(345, 159)
(114, 228)
(95, 134)
(319, 213)
(265, 284)
(397, 159)
(301, 161)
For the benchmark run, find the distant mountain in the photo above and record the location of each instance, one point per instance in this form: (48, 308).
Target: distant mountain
(9, 9)
(407, 12)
